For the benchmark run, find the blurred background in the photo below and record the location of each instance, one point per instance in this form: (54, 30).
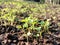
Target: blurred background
(44, 1)
(40, 1)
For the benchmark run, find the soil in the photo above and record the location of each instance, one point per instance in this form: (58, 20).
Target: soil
(10, 35)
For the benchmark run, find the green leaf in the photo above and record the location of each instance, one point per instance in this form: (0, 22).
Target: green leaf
(30, 21)
(25, 20)
(25, 25)
(38, 28)
(42, 22)
(18, 26)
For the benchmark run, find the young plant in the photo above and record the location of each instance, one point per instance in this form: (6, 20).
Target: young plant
(44, 26)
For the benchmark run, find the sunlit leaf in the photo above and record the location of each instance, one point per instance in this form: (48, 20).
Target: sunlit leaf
(25, 25)
(18, 26)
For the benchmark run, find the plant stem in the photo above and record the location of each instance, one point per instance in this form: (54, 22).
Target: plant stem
(27, 40)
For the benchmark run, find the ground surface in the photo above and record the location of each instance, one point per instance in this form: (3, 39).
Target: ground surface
(10, 35)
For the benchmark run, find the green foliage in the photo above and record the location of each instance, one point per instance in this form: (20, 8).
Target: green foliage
(18, 26)
(13, 10)
(25, 25)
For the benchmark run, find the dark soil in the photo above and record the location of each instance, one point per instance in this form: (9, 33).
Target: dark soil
(10, 35)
